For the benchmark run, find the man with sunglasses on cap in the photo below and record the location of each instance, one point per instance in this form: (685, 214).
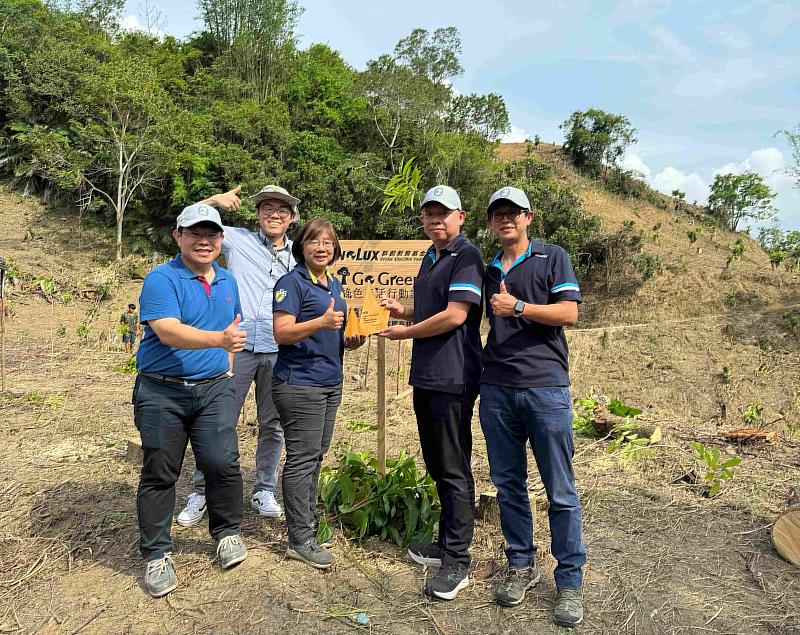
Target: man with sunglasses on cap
(257, 259)
(191, 311)
(532, 294)
(445, 369)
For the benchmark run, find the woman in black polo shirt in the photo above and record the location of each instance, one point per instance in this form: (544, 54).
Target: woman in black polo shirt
(309, 315)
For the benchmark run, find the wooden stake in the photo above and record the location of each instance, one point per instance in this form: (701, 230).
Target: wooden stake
(381, 406)
(366, 367)
(397, 377)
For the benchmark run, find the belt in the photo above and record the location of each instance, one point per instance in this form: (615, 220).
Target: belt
(185, 382)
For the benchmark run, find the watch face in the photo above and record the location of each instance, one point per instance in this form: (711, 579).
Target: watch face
(519, 307)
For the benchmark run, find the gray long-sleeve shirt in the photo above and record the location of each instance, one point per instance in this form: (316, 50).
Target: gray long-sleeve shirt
(256, 265)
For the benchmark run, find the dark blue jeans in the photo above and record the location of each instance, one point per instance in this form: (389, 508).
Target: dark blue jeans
(168, 415)
(511, 418)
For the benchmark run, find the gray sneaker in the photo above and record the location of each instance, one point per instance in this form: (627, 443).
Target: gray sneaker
(568, 610)
(159, 576)
(511, 591)
(311, 553)
(231, 551)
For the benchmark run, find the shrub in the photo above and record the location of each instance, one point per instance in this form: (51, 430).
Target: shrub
(401, 506)
(648, 265)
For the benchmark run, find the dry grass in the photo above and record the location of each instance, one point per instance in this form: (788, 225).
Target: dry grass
(662, 559)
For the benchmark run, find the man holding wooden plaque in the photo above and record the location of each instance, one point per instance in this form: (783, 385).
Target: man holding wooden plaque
(445, 370)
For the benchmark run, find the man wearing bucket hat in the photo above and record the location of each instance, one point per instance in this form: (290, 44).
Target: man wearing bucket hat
(257, 259)
(191, 311)
(532, 294)
(445, 370)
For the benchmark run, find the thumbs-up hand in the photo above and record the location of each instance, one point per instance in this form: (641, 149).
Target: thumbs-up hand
(227, 201)
(233, 338)
(332, 319)
(503, 303)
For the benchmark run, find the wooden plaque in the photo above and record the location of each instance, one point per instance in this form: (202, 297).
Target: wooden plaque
(389, 266)
(786, 535)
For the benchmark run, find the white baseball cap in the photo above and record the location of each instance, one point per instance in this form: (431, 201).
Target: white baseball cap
(513, 195)
(199, 213)
(443, 194)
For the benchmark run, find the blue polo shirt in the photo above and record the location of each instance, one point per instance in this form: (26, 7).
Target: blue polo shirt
(520, 353)
(449, 362)
(173, 291)
(316, 360)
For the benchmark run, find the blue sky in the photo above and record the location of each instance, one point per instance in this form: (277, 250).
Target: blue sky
(707, 83)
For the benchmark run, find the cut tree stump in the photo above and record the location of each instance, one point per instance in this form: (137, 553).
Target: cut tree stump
(489, 510)
(786, 535)
(133, 452)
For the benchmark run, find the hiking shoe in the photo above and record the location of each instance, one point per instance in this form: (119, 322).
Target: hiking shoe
(194, 511)
(448, 581)
(568, 610)
(426, 553)
(311, 553)
(159, 576)
(265, 504)
(231, 551)
(511, 591)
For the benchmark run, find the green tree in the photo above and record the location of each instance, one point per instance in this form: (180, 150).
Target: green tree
(740, 197)
(485, 114)
(595, 139)
(793, 137)
(256, 38)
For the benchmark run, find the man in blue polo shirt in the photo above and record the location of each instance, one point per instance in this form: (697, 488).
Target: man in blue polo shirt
(532, 294)
(257, 259)
(445, 370)
(183, 392)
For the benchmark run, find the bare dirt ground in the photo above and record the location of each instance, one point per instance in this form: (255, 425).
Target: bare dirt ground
(662, 558)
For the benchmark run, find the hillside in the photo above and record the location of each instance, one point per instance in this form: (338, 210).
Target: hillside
(693, 346)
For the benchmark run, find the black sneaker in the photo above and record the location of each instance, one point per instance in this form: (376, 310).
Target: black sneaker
(511, 591)
(426, 553)
(448, 581)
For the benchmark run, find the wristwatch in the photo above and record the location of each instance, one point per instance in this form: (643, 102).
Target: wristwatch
(519, 307)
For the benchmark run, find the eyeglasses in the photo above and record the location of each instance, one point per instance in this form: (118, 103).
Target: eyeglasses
(508, 214)
(436, 217)
(271, 211)
(327, 244)
(196, 235)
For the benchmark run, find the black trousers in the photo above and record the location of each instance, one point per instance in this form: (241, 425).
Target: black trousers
(168, 415)
(308, 415)
(444, 422)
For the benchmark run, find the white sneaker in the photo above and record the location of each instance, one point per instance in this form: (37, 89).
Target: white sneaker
(194, 511)
(265, 504)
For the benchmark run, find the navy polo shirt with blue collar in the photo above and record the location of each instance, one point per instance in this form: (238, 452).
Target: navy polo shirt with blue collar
(520, 353)
(316, 360)
(449, 362)
(173, 291)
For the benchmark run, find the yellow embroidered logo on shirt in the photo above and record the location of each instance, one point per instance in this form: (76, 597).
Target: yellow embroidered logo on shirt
(280, 295)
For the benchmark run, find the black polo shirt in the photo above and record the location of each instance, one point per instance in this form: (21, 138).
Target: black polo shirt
(520, 353)
(449, 362)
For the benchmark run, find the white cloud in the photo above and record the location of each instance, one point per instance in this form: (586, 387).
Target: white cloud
(632, 161)
(767, 162)
(672, 43)
(671, 178)
(132, 23)
(515, 135)
(729, 36)
(779, 18)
